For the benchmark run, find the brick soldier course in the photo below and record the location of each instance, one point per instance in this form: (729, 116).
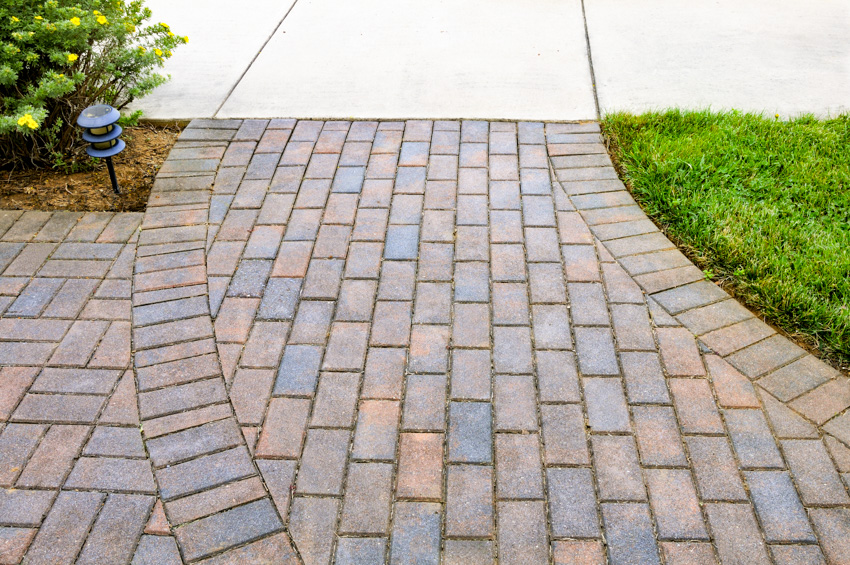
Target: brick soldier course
(401, 342)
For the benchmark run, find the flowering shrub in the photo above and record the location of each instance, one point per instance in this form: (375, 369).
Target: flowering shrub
(59, 56)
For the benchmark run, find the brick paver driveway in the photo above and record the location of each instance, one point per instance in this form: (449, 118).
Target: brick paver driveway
(399, 342)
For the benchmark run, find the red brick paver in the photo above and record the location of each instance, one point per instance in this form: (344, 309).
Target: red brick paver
(398, 342)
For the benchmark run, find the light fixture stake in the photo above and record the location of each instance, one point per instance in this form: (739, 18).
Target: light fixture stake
(102, 132)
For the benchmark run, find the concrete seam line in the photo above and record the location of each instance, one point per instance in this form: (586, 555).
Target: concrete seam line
(256, 56)
(589, 62)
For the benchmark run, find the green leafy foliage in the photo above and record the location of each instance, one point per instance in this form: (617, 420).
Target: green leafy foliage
(760, 203)
(58, 57)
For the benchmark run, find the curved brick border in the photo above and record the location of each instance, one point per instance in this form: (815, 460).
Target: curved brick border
(213, 494)
(809, 386)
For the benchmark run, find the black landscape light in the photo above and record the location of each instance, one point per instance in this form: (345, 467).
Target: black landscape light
(102, 132)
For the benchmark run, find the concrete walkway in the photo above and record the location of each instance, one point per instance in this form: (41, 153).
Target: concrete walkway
(502, 60)
(401, 342)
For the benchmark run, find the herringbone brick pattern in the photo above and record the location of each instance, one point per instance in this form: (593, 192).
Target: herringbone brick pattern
(399, 342)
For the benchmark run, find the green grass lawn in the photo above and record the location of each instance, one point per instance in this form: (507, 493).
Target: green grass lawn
(761, 204)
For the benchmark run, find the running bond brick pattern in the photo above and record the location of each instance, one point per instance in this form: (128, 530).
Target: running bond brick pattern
(75, 482)
(399, 342)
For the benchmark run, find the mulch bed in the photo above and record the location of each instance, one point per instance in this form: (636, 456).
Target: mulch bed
(91, 191)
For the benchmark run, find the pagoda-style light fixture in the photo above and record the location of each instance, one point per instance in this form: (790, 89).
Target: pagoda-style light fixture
(102, 133)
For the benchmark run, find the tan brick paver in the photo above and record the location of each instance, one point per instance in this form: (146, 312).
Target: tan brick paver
(398, 342)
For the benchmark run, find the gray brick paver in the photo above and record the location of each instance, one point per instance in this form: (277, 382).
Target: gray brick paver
(418, 345)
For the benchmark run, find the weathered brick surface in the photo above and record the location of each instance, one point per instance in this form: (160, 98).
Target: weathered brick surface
(376, 433)
(522, 535)
(716, 472)
(51, 462)
(518, 466)
(366, 505)
(778, 507)
(630, 536)
(674, 501)
(469, 501)
(403, 342)
(226, 529)
(416, 533)
(64, 529)
(572, 503)
(119, 524)
(617, 469)
(736, 532)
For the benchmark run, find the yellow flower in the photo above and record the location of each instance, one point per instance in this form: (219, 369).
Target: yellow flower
(75, 21)
(170, 34)
(14, 19)
(185, 39)
(158, 52)
(39, 18)
(168, 53)
(26, 120)
(142, 49)
(96, 13)
(165, 25)
(102, 20)
(72, 57)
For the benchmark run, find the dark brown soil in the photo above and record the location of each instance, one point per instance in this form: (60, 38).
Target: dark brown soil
(135, 167)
